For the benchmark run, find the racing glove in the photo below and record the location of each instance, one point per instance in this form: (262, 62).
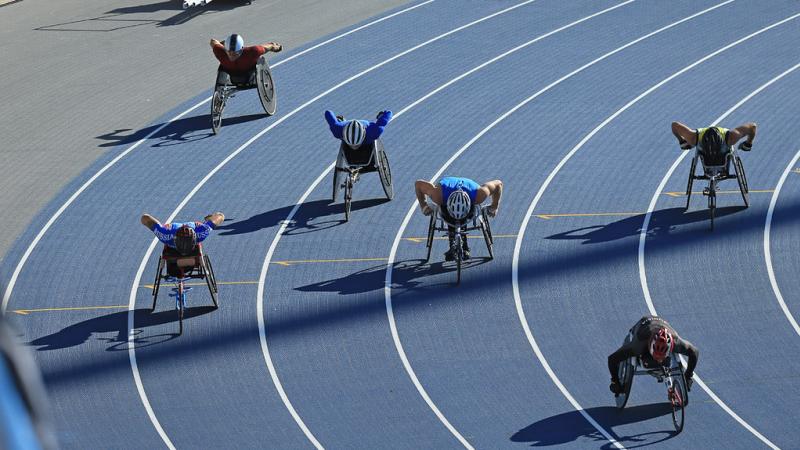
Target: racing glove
(689, 382)
(615, 387)
(746, 146)
(685, 145)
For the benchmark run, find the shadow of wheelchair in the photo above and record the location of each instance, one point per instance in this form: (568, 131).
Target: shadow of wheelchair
(79, 333)
(571, 426)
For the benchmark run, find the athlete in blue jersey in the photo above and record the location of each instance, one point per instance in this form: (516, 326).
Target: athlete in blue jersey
(183, 237)
(358, 133)
(456, 197)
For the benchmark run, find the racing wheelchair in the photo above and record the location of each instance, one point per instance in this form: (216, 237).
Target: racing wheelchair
(178, 269)
(351, 163)
(477, 219)
(716, 167)
(671, 374)
(227, 85)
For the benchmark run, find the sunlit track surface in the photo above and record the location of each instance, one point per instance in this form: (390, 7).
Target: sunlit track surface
(324, 311)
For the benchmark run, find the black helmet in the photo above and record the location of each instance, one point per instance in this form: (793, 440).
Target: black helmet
(712, 141)
(185, 240)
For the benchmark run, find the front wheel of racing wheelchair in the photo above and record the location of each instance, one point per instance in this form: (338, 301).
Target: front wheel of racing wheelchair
(227, 85)
(715, 169)
(478, 219)
(351, 163)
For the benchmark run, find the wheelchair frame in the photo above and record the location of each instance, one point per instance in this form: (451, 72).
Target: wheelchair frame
(714, 174)
(673, 377)
(194, 266)
(346, 174)
(478, 220)
(223, 91)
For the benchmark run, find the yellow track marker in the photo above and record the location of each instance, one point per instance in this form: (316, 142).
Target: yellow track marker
(25, 312)
(420, 240)
(753, 191)
(797, 170)
(551, 216)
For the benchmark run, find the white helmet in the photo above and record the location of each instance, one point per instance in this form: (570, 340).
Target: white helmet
(458, 204)
(354, 133)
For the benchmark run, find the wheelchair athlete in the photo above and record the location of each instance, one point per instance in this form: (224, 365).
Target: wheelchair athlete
(236, 59)
(358, 134)
(181, 238)
(456, 197)
(714, 141)
(653, 341)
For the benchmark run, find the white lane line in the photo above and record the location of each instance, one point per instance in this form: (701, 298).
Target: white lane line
(768, 252)
(654, 200)
(12, 282)
(319, 179)
(387, 288)
(262, 334)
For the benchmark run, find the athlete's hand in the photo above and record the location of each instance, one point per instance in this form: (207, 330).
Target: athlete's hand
(615, 387)
(340, 118)
(492, 211)
(427, 210)
(689, 382)
(746, 146)
(684, 144)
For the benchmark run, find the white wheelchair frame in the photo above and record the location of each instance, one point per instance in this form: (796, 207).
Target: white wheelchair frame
(226, 86)
(478, 219)
(714, 174)
(347, 173)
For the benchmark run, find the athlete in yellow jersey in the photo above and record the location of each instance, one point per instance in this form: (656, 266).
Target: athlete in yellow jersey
(714, 140)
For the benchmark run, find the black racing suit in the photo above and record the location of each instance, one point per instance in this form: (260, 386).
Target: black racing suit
(644, 329)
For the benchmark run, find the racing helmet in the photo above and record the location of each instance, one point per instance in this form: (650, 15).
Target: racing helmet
(458, 204)
(661, 344)
(234, 44)
(354, 133)
(185, 240)
(712, 141)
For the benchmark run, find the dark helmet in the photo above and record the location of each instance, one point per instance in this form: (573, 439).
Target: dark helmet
(185, 240)
(712, 141)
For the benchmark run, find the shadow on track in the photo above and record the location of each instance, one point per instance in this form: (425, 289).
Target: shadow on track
(80, 332)
(569, 427)
(403, 275)
(662, 222)
(178, 132)
(304, 220)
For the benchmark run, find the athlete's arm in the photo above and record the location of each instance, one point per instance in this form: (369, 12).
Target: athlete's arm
(215, 218)
(149, 221)
(686, 136)
(494, 189)
(272, 47)
(425, 188)
(614, 359)
(375, 129)
(685, 347)
(748, 129)
(216, 43)
(334, 124)
(219, 50)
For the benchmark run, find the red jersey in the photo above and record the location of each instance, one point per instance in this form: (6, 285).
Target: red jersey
(244, 63)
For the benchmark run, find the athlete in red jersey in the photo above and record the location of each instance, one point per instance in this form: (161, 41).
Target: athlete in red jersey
(237, 59)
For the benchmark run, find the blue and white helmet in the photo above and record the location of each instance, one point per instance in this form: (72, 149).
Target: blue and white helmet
(354, 133)
(235, 43)
(458, 204)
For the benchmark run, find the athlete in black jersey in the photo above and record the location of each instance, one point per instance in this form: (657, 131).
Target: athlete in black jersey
(653, 340)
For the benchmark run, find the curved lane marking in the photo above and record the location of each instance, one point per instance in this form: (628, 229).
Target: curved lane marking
(49, 223)
(531, 340)
(262, 335)
(654, 200)
(768, 252)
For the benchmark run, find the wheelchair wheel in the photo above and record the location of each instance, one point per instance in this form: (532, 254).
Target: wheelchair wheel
(676, 398)
(337, 176)
(431, 231)
(459, 254)
(211, 282)
(689, 184)
(266, 89)
(217, 105)
(157, 282)
(487, 233)
(742, 179)
(384, 171)
(625, 375)
(348, 197)
(181, 305)
(712, 201)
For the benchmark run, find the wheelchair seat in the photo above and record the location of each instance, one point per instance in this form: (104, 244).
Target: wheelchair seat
(179, 265)
(362, 156)
(241, 81)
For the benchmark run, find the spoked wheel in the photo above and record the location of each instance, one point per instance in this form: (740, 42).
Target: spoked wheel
(266, 90)
(742, 179)
(384, 171)
(678, 405)
(157, 283)
(211, 281)
(689, 184)
(712, 201)
(459, 254)
(625, 375)
(337, 176)
(348, 197)
(487, 233)
(217, 105)
(431, 231)
(181, 305)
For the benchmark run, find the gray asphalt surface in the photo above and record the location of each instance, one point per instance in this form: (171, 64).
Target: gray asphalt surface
(82, 78)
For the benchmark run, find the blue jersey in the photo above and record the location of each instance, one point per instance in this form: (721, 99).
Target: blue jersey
(450, 184)
(373, 129)
(166, 233)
